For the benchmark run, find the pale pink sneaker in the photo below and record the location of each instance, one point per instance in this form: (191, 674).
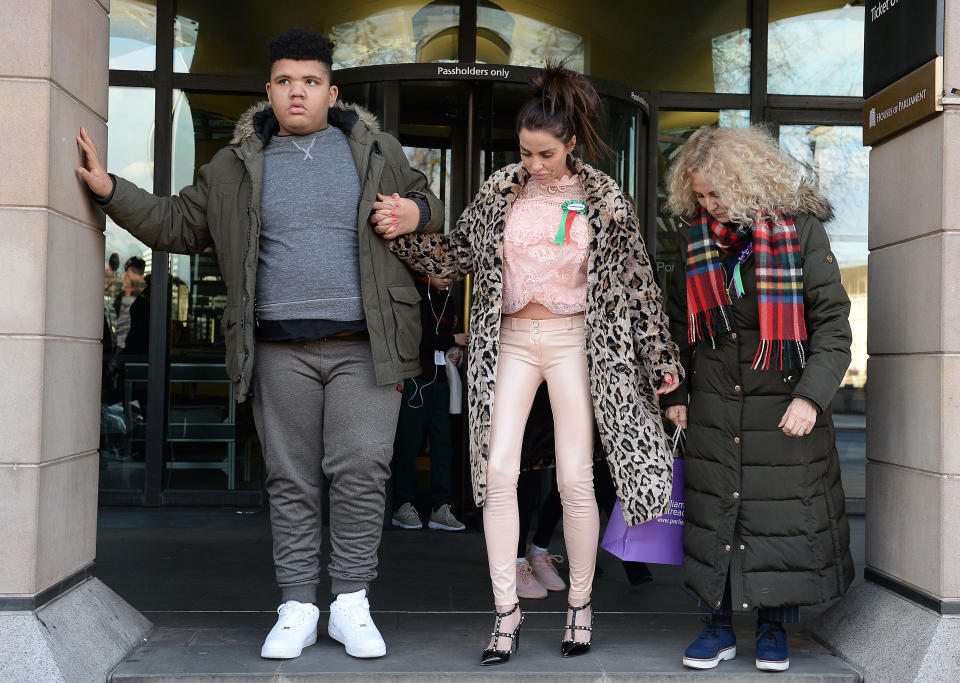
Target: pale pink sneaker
(527, 584)
(544, 571)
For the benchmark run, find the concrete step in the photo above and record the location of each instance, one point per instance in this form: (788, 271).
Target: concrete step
(431, 646)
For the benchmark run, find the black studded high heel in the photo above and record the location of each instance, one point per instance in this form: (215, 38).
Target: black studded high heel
(492, 655)
(571, 648)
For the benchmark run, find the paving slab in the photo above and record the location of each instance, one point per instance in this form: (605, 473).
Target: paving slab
(204, 578)
(446, 646)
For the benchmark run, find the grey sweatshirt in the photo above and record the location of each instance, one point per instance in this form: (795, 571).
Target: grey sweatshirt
(308, 263)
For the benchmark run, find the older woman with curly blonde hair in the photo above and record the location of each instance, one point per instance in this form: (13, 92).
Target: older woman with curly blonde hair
(760, 317)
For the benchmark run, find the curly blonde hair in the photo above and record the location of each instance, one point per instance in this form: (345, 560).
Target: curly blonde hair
(746, 168)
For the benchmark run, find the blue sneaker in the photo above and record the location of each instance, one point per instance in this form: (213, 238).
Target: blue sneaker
(772, 652)
(715, 644)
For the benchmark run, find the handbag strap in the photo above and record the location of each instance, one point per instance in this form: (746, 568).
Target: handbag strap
(678, 437)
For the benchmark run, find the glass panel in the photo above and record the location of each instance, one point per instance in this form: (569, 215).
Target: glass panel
(402, 34)
(211, 441)
(133, 35)
(367, 95)
(835, 156)
(498, 115)
(648, 44)
(676, 127)
(431, 115)
(618, 128)
(125, 278)
(231, 36)
(435, 164)
(514, 37)
(815, 48)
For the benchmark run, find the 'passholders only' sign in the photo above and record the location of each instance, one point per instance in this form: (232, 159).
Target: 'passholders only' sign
(899, 36)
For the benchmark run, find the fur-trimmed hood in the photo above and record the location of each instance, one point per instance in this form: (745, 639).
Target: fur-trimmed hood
(812, 202)
(260, 120)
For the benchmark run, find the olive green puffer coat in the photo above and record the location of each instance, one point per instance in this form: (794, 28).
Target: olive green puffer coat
(764, 506)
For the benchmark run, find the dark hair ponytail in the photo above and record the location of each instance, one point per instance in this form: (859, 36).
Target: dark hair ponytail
(564, 103)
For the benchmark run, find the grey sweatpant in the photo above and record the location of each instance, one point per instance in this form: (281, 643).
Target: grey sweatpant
(319, 412)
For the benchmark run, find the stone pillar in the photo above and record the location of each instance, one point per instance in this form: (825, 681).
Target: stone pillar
(56, 622)
(904, 623)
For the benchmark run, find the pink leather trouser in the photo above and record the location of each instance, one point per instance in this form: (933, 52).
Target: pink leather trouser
(532, 351)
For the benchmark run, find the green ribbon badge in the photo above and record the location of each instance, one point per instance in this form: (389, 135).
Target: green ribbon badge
(570, 210)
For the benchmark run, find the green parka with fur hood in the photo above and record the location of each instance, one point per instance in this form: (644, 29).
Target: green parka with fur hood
(765, 507)
(222, 209)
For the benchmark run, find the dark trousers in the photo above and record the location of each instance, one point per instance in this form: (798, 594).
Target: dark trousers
(787, 614)
(551, 507)
(424, 413)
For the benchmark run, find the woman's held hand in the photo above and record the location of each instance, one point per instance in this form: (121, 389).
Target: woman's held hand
(678, 415)
(670, 382)
(799, 419)
(394, 216)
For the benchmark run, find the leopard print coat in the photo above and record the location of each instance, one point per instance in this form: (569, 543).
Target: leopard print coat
(628, 343)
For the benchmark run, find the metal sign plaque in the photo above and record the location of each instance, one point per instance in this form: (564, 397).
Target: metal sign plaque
(909, 100)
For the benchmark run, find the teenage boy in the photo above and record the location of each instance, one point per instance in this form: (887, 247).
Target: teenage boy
(321, 323)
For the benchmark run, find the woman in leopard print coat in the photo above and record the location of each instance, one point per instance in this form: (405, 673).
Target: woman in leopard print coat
(626, 357)
(628, 347)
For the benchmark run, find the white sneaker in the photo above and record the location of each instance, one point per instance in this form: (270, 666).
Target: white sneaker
(351, 624)
(295, 629)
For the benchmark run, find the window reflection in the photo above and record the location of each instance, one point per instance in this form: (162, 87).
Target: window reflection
(133, 37)
(398, 35)
(730, 55)
(815, 48)
(211, 442)
(231, 36)
(133, 34)
(185, 32)
(834, 155)
(505, 37)
(646, 44)
(126, 276)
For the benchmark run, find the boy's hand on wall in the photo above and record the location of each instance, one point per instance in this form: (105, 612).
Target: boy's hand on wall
(92, 172)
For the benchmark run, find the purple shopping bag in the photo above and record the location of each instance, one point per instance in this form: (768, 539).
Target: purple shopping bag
(660, 540)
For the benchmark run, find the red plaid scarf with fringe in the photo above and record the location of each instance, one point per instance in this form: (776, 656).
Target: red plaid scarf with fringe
(776, 248)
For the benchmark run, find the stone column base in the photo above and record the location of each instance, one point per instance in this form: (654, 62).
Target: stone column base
(889, 638)
(80, 636)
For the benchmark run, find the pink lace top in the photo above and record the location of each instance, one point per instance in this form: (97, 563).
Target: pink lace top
(534, 268)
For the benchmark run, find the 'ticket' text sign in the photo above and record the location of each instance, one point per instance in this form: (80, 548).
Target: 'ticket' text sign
(899, 36)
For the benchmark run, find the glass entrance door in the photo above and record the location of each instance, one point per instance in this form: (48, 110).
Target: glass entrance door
(459, 132)
(456, 131)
